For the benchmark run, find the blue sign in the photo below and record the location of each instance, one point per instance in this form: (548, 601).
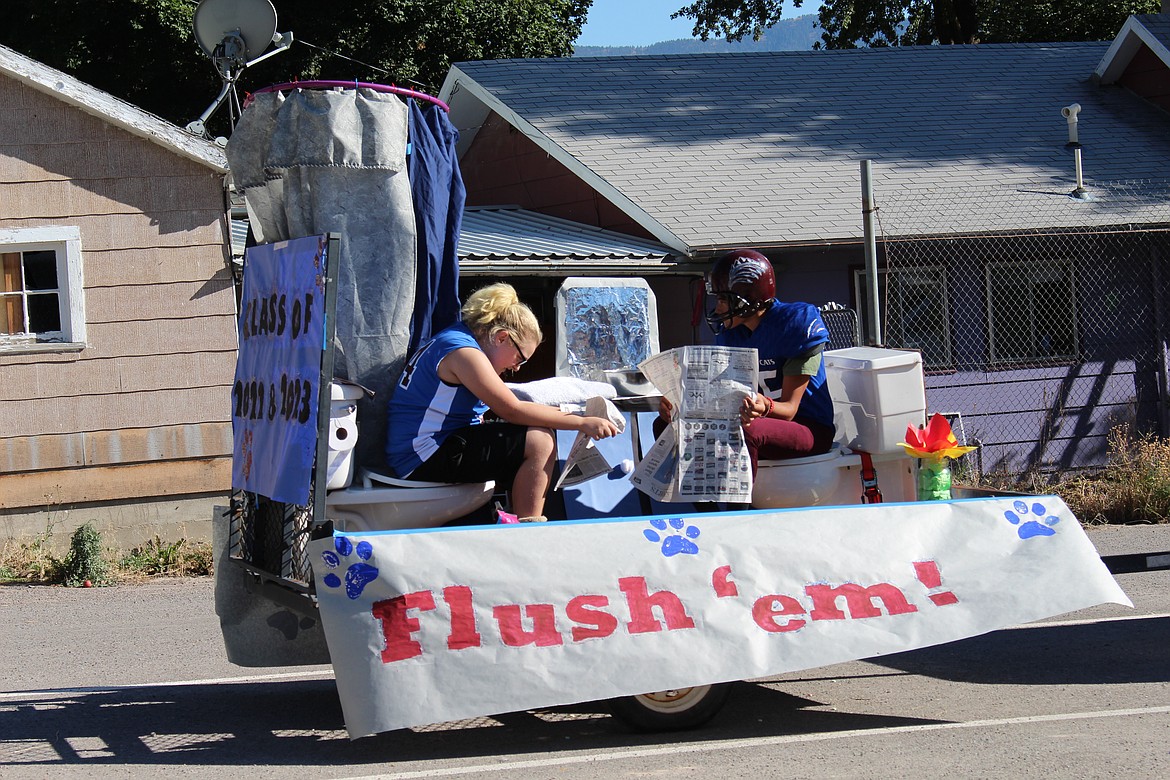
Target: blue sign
(278, 371)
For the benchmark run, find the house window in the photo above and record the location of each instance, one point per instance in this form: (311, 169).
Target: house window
(1031, 311)
(41, 298)
(912, 302)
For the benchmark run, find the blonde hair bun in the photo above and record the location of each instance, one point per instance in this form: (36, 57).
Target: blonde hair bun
(497, 307)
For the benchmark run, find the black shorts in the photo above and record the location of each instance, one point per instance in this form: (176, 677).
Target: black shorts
(477, 453)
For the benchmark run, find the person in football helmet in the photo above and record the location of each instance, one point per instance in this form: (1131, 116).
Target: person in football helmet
(791, 415)
(740, 284)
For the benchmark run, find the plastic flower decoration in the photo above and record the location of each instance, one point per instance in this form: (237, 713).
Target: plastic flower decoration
(934, 442)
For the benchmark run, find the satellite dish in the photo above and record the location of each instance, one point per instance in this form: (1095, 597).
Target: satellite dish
(224, 22)
(233, 33)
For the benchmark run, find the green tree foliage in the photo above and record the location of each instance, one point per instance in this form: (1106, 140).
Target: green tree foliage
(417, 40)
(140, 50)
(145, 52)
(849, 23)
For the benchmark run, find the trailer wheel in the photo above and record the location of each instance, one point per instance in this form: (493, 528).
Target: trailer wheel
(673, 710)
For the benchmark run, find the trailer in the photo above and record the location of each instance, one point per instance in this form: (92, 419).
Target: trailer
(653, 607)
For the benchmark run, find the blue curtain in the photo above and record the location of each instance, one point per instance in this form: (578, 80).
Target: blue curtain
(437, 188)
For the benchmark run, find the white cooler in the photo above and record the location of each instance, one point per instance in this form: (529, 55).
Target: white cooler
(877, 393)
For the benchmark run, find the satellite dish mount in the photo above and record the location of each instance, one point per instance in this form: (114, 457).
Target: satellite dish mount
(232, 33)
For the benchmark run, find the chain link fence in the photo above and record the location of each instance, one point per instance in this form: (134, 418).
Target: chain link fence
(1041, 315)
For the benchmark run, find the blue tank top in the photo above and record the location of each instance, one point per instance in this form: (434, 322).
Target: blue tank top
(424, 409)
(788, 330)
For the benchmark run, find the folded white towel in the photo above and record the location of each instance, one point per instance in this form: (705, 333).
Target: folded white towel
(558, 390)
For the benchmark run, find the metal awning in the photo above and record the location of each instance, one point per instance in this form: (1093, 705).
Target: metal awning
(511, 241)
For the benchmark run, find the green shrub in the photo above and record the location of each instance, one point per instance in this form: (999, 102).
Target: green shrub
(85, 561)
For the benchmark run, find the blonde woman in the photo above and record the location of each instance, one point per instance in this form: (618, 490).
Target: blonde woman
(437, 431)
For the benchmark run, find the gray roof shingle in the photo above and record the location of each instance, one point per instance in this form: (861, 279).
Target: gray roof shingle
(765, 147)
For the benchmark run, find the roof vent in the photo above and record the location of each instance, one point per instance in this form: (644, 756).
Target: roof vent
(1070, 113)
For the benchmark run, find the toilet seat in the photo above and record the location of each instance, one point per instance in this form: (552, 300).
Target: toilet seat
(383, 503)
(836, 451)
(370, 479)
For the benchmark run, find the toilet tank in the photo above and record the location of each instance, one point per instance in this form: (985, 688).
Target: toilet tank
(876, 393)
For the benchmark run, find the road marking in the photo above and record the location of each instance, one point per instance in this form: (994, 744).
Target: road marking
(701, 747)
(321, 674)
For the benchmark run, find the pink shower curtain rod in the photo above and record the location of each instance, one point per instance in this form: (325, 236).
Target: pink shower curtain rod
(404, 92)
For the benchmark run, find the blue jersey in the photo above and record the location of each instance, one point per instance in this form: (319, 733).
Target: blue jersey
(424, 409)
(787, 331)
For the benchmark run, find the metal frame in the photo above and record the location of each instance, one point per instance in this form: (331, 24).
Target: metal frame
(251, 533)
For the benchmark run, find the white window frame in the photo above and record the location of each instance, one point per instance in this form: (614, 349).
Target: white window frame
(1027, 272)
(931, 361)
(65, 243)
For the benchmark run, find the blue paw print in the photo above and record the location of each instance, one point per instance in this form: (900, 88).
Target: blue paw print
(1028, 526)
(673, 543)
(358, 575)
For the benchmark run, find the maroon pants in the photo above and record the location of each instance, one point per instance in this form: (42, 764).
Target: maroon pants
(773, 439)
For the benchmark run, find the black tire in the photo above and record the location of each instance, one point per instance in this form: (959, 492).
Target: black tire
(682, 708)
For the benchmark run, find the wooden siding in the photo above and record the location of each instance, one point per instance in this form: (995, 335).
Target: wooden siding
(112, 412)
(147, 337)
(144, 409)
(114, 376)
(149, 266)
(180, 230)
(112, 448)
(503, 167)
(1147, 76)
(114, 483)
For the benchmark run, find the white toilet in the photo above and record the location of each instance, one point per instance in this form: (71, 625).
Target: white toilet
(876, 394)
(379, 502)
(382, 503)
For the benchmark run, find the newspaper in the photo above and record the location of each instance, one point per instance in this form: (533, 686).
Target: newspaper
(701, 456)
(584, 461)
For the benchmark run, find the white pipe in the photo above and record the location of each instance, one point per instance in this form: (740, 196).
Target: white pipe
(1080, 191)
(1070, 113)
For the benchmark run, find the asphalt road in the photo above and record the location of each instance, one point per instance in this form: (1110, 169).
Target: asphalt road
(132, 682)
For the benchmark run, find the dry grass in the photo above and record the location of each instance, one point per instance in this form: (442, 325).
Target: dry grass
(34, 562)
(30, 561)
(1133, 488)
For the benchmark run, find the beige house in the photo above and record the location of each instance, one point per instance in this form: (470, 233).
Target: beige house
(117, 314)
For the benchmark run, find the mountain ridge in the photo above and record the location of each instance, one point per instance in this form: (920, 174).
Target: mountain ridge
(796, 34)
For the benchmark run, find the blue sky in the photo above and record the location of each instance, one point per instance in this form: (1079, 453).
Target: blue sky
(642, 22)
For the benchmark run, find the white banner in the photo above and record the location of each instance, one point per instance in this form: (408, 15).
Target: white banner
(432, 626)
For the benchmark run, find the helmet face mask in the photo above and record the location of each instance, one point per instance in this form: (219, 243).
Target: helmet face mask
(743, 280)
(734, 306)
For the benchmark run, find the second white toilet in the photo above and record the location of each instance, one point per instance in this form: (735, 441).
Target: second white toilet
(876, 394)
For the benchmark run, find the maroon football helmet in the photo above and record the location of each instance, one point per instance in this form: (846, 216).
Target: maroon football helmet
(745, 280)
